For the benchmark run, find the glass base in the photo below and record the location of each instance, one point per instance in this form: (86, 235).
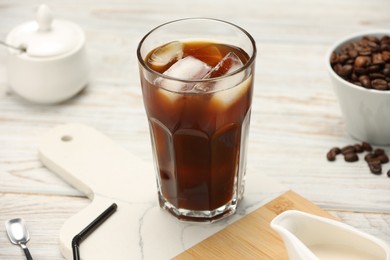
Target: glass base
(199, 215)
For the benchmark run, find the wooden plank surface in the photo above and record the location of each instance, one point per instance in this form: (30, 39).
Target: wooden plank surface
(295, 114)
(252, 237)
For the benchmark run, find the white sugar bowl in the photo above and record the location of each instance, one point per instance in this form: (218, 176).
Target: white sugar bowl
(53, 66)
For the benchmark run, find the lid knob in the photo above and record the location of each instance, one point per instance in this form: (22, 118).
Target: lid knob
(44, 18)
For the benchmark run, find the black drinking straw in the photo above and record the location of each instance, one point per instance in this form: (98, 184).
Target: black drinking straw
(80, 237)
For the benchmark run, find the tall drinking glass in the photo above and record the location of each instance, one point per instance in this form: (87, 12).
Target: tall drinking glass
(197, 83)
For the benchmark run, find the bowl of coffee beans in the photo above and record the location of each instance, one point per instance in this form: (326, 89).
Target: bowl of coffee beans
(359, 66)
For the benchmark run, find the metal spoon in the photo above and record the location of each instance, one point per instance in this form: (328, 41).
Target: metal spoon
(21, 48)
(18, 234)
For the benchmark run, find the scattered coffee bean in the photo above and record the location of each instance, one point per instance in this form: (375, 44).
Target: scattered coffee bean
(369, 157)
(331, 155)
(358, 148)
(379, 151)
(365, 62)
(374, 158)
(383, 158)
(347, 149)
(374, 161)
(351, 157)
(367, 147)
(375, 168)
(336, 150)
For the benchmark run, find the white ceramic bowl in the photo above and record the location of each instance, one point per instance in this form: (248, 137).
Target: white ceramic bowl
(47, 81)
(54, 65)
(366, 111)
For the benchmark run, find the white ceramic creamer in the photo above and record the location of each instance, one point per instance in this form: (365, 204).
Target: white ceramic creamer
(310, 237)
(54, 65)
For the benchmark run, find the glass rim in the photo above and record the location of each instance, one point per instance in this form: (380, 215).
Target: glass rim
(241, 69)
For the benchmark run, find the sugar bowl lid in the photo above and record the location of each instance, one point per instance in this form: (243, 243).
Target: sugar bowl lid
(46, 37)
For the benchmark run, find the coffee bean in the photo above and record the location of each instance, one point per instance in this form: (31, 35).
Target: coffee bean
(375, 168)
(388, 173)
(385, 47)
(347, 149)
(358, 83)
(385, 38)
(362, 61)
(379, 151)
(367, 147)
(358, 148)
(386, 72)
(331, 155)
(345, 71)
(369, 157)
(373, 38)
(386, 55)
(337, 68)
(361, 71)
(365, 52)
(334, 58)
(377, 76)
(377, 59)
(353, 53)
(351, 157)
(336, 150)
(383, 158)
(379, 84)
(365, 81)
(374, 161)
(364, 41)
(373, 68)
(343, 58)
(373, 45)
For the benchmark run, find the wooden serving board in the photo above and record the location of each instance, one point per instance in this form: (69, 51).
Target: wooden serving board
(139, 229)
(251, 237)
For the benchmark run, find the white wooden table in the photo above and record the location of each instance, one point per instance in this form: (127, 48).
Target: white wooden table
(295, 115)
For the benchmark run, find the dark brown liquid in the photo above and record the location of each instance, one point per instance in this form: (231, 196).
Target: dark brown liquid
(197, 137)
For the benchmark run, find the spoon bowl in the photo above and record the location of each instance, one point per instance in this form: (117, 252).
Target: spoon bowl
(18, 234)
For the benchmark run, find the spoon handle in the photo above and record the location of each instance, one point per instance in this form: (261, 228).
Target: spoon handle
(11, 46)
(26, 252)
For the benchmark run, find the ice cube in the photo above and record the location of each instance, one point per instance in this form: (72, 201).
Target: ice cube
(230, 89)
(226, 97)
(188, 68)
(166, 54)
(231, 62)
(228, 64)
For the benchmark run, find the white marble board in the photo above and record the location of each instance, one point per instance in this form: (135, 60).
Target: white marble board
(139, 229)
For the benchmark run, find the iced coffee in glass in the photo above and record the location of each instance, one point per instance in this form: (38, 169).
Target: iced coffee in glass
(197, 84)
